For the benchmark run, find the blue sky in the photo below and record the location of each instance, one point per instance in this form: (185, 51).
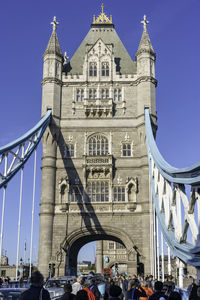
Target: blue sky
(25, 30)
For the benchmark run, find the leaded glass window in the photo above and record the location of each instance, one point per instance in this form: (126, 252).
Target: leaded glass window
(75, 194)
(105, 68)
(93, 69)
(98, 191)
(119, 246)
(126, 149)
(117, 95)
(119, 193)
(79, 95)
(98, 145)
(69, 150)
(111, 245)
(104, 93)
(92, 93)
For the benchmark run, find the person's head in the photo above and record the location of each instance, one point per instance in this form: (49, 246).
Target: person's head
(82, 295)
(174, 296)
(112, 282)
(144, 284)
(91, 273)
(115, 291)
(67, 288)
(37, 279)
(150, 277)
(133, 283)
(158, 286)
(87, 283)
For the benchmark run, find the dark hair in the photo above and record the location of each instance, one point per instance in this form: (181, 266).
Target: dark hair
(67, 287)
(174, 296)
(82, 295)
(115, 290)
(158, 285)
(37, 279)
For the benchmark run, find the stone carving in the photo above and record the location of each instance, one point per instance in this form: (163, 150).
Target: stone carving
(63, 186)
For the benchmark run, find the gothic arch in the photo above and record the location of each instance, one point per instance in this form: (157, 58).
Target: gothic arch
(78, 238)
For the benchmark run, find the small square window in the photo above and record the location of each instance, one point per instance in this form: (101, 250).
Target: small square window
(126, 149)
(69, 150)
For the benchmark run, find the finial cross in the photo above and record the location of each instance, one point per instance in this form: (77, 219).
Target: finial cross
(54, 23)
(102, 7)
(145, 22)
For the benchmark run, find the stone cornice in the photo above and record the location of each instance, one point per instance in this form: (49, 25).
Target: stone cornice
(51, 80)
(145, 51)
(146, 79)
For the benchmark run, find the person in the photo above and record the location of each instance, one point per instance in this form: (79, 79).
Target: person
(86, 287)
(169, 285)
(93, 287)
(77, 286)
(174, 296)
(133, 290)
(36, 290)
(67, 293)
(158, 294)
(115, 292)
(82, 295)
(195, 292)
(148, 290)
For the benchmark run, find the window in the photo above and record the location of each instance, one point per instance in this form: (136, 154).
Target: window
(3, 273)
(92, 93)
(119, 193)
(98, 145)
(105, 68)
(111, 245)
(93, 69)
(75, 194)
(98, 191)
(117, 95)
(104, 93)
(79, 95)
(119, 246)
(126, 149)
(69, 150)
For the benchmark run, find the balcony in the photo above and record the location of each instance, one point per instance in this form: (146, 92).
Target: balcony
(98, 108)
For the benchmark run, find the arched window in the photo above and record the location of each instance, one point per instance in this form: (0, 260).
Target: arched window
(93, 69)
(98, 191)
(105, 68)
(98, 145)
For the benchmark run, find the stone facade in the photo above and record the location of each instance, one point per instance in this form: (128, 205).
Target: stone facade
(95, 182)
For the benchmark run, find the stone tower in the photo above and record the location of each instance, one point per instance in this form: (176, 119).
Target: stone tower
(95, 182)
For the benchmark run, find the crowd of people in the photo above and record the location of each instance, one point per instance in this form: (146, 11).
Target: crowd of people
(116, 288)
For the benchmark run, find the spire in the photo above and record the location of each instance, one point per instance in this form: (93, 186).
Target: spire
(145, 43)
(53, 46)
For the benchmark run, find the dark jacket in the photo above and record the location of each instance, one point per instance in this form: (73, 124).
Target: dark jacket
(157, 296)
(95, 291)
(67, 296)
(135, 293)
(33, 293)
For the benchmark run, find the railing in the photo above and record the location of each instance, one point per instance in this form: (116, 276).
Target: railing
(178, 215)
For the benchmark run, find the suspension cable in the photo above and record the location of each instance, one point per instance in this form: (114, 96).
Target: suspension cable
(19, 218)
(3, 207)
(33, 209)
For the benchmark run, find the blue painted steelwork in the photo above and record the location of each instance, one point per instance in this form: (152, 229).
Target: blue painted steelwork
(186, 252)
(33, 136)
(190, 175)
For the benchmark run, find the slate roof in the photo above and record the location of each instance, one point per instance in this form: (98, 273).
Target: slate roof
(124, 63)
(53, 46)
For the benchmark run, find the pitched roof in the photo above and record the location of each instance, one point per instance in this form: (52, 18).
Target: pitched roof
(107, 33)
(53, 46)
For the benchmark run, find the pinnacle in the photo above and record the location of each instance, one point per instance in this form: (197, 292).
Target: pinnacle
(53, 46)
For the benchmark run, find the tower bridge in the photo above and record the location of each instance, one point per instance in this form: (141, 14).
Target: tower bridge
(103, 177)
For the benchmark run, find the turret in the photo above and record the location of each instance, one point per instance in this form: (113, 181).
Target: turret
(52, 74)
(145, 58)
(51, 99)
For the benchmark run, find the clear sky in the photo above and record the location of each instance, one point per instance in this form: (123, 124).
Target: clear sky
(25, 30)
